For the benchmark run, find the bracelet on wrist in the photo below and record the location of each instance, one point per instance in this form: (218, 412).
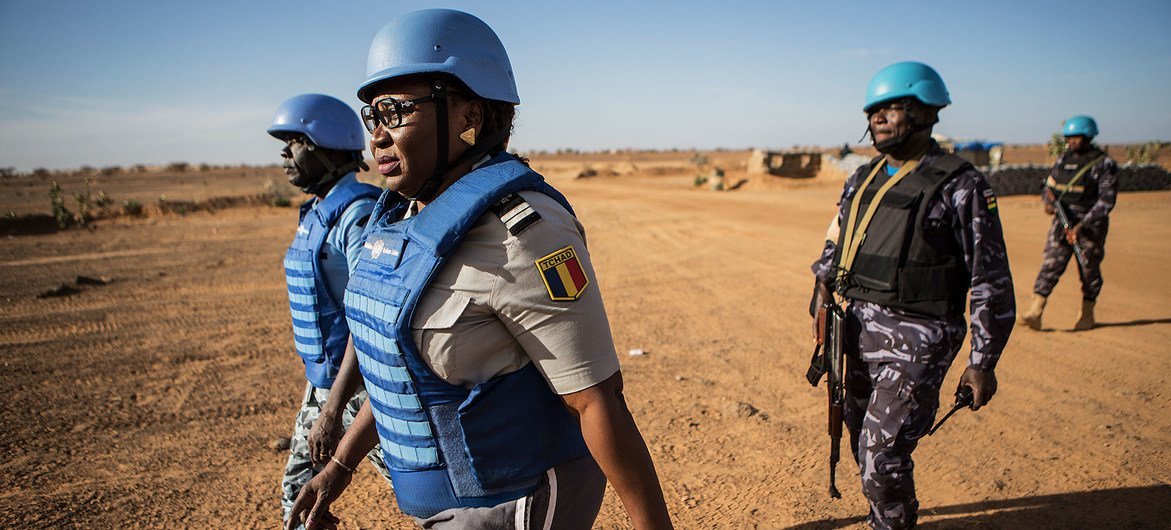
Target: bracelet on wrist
(348, 469)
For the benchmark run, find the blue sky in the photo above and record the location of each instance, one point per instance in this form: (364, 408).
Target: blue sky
(124, 82)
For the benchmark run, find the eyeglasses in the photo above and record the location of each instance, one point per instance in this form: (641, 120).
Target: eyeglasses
(389, 112)
(891, 111)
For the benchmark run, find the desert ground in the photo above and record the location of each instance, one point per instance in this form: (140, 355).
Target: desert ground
(154, 401)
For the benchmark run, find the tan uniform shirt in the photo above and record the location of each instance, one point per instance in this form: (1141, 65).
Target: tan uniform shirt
(489, 310)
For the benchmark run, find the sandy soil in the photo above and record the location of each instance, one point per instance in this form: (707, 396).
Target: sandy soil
(152, 402)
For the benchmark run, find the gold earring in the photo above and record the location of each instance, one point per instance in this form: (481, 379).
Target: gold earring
(469, 136)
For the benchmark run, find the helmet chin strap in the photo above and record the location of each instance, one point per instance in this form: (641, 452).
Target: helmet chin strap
(431, 186)
(333, 172)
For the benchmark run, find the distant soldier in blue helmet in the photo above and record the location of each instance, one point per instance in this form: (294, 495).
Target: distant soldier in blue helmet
(1084, 184)
(324, 141)
(917, 229)
(496, 396)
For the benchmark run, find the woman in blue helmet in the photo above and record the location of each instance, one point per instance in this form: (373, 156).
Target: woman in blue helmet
(495, 391)
(324, 141)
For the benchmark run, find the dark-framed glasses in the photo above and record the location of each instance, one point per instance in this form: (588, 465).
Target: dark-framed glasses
(891, 111)
(389, 112)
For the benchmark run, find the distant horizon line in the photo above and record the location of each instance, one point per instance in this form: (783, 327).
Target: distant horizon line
(198, 166)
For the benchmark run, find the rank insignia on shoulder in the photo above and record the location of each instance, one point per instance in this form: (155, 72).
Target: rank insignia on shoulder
(990, 198)
(563, 275)
(516, 214)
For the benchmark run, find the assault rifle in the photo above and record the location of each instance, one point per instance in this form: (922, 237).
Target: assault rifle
(1077, 249)
(1063, 217)
(829, 359)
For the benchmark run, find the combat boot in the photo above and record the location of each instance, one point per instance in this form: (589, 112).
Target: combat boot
(1085, 319)
(1032, 317)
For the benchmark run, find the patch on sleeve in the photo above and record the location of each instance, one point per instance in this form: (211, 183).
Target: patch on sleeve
(990, 198)
(516, 214)
(563, 275)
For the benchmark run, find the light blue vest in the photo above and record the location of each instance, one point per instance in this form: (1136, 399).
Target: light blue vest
(446, 446)
(319, 322)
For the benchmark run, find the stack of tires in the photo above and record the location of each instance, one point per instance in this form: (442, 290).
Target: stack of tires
(1025, 179)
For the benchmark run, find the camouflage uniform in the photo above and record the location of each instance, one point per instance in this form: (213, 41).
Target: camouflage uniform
(1095, 222)
(300, 467)
(896, 360)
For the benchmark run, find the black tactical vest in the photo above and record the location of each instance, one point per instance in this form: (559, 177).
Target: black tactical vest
(1084, 192)
(899, 264)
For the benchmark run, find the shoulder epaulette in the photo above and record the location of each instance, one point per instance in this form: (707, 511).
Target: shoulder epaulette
(516, 213)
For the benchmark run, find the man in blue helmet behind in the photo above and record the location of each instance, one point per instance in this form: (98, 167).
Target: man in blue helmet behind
(324, 140)
(1084, 184)
(916, 229)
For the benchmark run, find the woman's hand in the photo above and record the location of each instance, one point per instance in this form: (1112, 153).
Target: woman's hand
(315, 498)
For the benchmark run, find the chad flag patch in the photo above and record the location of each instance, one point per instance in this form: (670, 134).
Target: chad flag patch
(563, 275)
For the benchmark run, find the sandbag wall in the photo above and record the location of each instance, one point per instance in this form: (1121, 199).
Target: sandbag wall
(1025, 179)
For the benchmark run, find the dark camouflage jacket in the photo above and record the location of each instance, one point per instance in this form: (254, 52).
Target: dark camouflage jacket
(1105, 175)
(965, 207)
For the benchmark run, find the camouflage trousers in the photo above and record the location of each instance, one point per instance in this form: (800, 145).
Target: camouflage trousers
(1092, 239)
(300, 468)
(892, 396)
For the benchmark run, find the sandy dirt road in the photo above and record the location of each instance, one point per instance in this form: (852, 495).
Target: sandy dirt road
(151, 402)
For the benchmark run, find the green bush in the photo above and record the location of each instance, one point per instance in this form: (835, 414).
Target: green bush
(61, 214)
(1056, 145)
(1144, 154)
(132, 207)
(84, 204)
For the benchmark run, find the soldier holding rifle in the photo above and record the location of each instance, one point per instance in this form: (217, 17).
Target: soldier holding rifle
(1081, 190)
(916, 229)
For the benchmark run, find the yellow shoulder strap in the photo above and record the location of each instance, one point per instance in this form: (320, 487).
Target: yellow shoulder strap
(856, 230)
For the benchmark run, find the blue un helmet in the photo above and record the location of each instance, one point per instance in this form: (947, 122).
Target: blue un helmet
(325, 120)
(1080, 125)
(907, 80)
(452, 44)
(441, 41)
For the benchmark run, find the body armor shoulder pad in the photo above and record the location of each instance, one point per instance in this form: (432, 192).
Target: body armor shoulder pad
(946, 166)
(516, 213)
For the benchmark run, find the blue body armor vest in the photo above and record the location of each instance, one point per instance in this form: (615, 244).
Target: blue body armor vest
(447, 446)
(319, 323)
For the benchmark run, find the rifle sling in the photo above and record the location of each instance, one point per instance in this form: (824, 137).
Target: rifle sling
(855, 229)
(1068, 186)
